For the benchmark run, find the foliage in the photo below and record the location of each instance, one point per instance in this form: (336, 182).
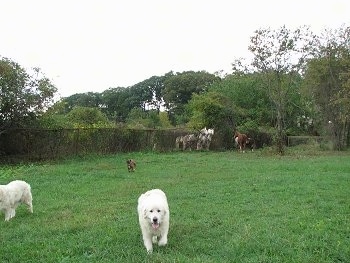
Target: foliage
(54, 121)
(117, 103)
(138, 118)
(88, 99)
(250, 100)
(280, 56)
(269, 209)
(300, 115)
(140, 95)
(77, 117)
(178, 89)
(253, 109)
(212, 110)
(164, 120)
(55, 117)
(85, 117)
(24, 95)
(149, 92)
(327, 80)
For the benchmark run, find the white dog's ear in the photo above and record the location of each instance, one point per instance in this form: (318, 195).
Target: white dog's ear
(145, 213)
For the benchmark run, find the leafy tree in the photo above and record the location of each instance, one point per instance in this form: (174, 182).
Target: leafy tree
(56, 115)
(116, 103)
(53, 121)
(164, 120)
(88, 99)
(140, 95)
(24, 95)
(250, 101)
(212, 110)
(178, 89)
(301, 117)
(151, 119)
(280, 56)
(143, 119)
(149, 92)
(85, 117)
(328, 80)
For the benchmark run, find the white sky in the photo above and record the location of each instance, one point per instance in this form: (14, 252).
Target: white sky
(93, 45)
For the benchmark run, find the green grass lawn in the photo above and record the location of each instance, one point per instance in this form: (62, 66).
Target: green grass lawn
(225, 207)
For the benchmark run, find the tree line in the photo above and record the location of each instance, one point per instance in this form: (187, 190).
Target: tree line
(297, 83)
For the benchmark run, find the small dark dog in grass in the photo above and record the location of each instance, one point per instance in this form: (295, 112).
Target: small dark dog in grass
(131, 165)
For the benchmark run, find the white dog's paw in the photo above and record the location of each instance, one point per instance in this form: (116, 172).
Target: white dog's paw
(163, 241)
(13, 213)
(8, 215)
(148, 245)
(149, 250)
(154, 239)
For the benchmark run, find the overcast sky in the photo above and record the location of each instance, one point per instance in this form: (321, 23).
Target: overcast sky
(93, 45)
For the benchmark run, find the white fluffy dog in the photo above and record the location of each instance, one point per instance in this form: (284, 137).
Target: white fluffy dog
(154, 214)
(13, 194)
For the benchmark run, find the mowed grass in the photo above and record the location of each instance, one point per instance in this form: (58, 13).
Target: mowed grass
(225, 207)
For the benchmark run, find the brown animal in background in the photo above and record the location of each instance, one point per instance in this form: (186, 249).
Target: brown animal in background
(131, 165)
(241, 140)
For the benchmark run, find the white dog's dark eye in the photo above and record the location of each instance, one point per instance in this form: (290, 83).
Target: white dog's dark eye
(158, 211)
(151, 211)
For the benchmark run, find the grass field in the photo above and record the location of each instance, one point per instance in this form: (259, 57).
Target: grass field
(225, 207)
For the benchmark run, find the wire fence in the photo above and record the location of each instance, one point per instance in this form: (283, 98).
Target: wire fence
(44, 144)
(23, 145)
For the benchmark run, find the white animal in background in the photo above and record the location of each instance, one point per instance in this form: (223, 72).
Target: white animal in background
(154, 215)
(204, 138)
(12, 195)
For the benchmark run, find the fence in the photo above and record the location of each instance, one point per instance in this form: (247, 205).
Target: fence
(42, 144)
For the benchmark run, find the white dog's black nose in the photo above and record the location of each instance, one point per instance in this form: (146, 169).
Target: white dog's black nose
(155, 220)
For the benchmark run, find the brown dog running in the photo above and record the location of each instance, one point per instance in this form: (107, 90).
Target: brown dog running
(131, 165)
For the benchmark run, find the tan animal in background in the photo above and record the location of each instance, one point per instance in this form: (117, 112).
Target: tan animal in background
(179, 142)
(12, 195)
(154, 215)
(187, 142)
(131, 165)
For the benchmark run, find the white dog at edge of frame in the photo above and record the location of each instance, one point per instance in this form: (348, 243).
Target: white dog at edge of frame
(12, 195)
(154, 215)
